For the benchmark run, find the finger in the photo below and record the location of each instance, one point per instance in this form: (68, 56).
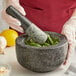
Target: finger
(70, 54)
(9, 19)
(69, 32)
(17, 28)
(70, 37)
(21, 10)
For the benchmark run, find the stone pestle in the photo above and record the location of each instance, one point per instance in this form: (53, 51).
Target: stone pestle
(30, 28)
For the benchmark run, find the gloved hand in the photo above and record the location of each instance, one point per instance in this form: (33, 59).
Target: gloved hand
(69, 30)
(12, 22)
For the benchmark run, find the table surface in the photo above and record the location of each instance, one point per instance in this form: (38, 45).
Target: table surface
(17, 70)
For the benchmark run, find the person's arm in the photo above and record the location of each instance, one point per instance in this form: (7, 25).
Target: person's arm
(69, 30)
(12, 22)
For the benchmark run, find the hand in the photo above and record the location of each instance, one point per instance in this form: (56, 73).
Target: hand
(69, 30)
(12, 22)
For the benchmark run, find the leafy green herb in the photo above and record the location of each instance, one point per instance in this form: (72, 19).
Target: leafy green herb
(50, 41)
(35, 44)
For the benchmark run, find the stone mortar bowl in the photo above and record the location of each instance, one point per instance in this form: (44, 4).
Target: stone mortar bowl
(41, 59)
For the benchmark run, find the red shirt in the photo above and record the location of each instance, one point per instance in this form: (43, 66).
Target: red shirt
(49, 15)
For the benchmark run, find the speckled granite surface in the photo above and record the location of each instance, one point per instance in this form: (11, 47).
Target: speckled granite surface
(37, 59)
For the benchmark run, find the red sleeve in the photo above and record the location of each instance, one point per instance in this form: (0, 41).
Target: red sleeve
(73, 4)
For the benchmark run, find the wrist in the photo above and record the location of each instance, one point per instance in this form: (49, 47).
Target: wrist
(74, 13)
(73, 17)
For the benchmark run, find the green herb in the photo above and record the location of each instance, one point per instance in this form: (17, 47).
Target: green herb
(50, 41)
(35, 44)
(45, 44)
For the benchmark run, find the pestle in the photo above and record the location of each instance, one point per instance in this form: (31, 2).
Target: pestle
(29, 28)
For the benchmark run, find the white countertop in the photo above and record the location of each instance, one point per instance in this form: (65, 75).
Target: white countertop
(18, 70)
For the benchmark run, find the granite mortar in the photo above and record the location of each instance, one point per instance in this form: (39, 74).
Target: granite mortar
(41, 59)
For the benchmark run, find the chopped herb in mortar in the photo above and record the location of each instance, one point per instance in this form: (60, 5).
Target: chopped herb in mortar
(50, 41)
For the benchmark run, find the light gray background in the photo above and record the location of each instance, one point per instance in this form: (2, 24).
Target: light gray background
(3, 25)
